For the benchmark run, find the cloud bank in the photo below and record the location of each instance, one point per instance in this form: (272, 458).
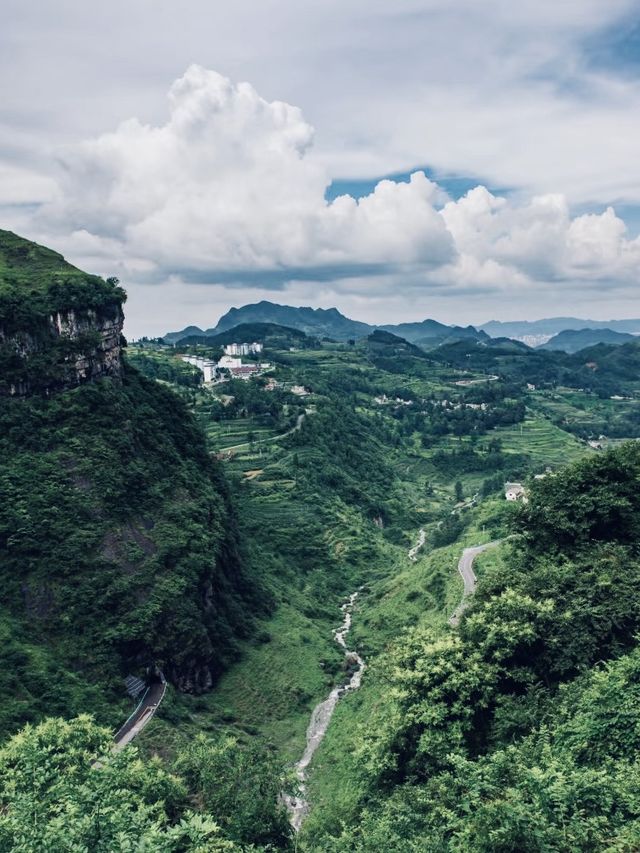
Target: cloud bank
(229, 191)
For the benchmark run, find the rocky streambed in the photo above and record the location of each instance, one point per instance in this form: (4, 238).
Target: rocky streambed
(298, 807)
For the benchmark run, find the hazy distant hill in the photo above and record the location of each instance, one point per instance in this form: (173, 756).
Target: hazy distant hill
(430, 333)
(320, 322)
(189, 332)
(553, 326)
(575, 340)
(270, 334)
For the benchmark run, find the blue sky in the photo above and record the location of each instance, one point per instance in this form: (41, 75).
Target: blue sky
(454, 185)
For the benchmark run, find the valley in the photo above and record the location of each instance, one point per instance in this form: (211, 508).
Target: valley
(216, 532)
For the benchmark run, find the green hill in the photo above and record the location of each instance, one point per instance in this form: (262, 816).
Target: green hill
(118, 544)
(270, 334)
(59, 326)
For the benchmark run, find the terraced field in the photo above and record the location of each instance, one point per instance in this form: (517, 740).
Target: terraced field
(545, 443)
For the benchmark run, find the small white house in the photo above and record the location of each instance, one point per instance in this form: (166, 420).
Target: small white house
(515, 492)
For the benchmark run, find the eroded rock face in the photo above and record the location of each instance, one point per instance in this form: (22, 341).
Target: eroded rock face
(68, 349)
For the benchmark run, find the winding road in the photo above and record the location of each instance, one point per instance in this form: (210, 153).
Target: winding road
(469, 580)
(147, 707)
(295, 428)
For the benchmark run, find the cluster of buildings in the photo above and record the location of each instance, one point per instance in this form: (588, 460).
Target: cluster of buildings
(227, 366)
(243, 349)
(383, 400)
(207, 366)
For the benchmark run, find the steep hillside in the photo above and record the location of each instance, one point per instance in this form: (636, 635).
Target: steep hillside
(517, 730)
(118, 547)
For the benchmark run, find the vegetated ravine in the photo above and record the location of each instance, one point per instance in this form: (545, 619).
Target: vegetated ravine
(298, 806)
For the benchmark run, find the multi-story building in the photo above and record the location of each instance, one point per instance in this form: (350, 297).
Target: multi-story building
(243, 349)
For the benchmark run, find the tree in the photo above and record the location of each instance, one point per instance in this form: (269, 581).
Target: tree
(240, 785)
(55, 795)
(459, 492)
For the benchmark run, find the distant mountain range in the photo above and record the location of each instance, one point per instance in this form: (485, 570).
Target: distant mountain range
(523, 329)
(575, 340)
(330, 323)
(326, 323)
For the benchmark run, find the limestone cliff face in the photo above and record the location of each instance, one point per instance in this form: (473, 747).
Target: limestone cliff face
(63, 350)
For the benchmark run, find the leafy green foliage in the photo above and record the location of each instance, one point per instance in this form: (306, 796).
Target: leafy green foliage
(36, 282)
(241, 785)
(520, 730)
(61, 789)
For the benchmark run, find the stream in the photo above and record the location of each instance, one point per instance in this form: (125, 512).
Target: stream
(422, 538)
(298, 807)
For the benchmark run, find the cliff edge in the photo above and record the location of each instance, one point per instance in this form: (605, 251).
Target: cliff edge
(59, 326)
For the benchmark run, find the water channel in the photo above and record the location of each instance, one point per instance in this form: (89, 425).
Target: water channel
(298, 807)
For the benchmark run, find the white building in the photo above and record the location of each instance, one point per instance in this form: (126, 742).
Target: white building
(243, 349)
(205, 365)
(515, 492)
(227, 362)
(209, 370)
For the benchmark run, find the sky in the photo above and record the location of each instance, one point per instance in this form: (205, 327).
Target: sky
(423, 158)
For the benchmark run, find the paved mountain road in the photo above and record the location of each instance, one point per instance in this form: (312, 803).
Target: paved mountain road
(141, 716)
(469, 580)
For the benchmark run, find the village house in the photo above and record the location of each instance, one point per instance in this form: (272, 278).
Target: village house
(515, 492)
(245, 371)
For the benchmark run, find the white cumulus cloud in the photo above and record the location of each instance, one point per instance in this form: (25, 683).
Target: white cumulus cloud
(227, 186)
(229, 191)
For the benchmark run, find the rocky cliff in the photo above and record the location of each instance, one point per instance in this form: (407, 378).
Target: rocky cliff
(59, 327)
(69, 348)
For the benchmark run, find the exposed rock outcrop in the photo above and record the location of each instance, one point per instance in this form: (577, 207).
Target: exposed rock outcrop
(59, 326)
(66, 349)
